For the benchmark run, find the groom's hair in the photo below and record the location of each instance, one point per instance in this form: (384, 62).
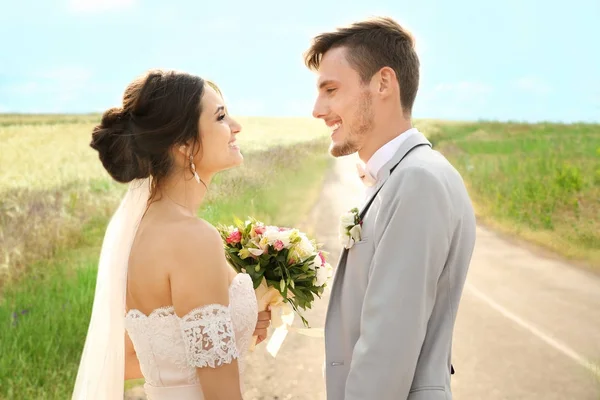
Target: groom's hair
(371, 45)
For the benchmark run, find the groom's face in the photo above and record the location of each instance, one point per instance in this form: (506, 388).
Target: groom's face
(344, 102)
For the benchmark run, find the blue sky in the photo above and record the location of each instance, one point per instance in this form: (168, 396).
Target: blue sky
(526, 60)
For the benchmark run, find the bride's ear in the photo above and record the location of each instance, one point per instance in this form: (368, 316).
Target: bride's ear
(183, 149)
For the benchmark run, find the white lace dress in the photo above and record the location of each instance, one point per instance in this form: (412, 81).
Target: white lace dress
(170, 348)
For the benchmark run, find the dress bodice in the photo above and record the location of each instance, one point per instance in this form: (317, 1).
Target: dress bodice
(170, 348)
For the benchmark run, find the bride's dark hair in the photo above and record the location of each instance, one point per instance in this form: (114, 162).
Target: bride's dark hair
(161, 109)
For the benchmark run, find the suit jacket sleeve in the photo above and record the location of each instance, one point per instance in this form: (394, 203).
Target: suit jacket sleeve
(412, 233)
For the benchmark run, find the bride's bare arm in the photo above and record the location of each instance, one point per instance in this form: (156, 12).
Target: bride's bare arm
(199, 279)
(132, 364)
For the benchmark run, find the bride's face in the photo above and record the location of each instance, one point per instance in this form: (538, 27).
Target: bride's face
(218, 133)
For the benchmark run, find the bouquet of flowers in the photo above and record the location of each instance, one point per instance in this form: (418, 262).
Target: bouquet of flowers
(284, 264)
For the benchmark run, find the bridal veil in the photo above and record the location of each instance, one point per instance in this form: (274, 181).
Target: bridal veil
(101, 369)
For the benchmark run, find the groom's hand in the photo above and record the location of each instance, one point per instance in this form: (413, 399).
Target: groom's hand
(263, 323)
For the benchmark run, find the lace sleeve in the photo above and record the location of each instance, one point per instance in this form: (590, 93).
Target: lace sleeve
(208, 336)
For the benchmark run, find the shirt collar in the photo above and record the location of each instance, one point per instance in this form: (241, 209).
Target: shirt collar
(386, 152)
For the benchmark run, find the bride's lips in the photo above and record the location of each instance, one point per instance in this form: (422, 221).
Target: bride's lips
(233, 146)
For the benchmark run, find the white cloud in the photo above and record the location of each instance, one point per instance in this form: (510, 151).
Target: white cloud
(532, 84)
(96, 6)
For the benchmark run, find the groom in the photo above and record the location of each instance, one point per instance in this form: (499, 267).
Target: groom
(398, 284)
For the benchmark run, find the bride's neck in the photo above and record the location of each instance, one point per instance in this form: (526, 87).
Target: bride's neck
(184, 192)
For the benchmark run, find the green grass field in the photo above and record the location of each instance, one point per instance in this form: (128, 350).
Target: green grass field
(539, 181)
(51, 229)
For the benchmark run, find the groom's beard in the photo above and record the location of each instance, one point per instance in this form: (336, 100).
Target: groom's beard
(357, 131)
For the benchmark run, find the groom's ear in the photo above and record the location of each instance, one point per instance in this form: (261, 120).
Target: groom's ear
(387, 82)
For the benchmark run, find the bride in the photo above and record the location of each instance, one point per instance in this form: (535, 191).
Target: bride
(167, 308)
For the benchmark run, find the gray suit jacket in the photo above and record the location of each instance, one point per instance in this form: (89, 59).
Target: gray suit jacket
(394, 298)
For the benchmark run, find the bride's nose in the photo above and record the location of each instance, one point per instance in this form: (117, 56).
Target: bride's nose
(235, 127)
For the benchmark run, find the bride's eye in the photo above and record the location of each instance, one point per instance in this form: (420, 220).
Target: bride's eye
(221, 117)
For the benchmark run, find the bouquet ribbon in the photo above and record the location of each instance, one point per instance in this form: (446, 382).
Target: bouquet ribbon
(282, 317)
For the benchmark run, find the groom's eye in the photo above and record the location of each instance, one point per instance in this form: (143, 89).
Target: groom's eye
(330, 90)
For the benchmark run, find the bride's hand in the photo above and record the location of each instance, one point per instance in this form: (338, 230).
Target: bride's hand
(264, 321)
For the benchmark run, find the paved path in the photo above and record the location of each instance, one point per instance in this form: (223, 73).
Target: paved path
(528, 326)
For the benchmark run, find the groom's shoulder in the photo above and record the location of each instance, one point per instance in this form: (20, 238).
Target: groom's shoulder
(424, 163)
(426, 168)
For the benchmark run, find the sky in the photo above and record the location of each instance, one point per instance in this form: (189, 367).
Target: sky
(517, 60)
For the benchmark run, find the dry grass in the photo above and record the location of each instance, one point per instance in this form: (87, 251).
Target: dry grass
(52, 182)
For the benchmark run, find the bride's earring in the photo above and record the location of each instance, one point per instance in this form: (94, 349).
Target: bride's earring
(193, 167)
(196, 176)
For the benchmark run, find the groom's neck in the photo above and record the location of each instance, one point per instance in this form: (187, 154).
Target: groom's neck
(384, 130)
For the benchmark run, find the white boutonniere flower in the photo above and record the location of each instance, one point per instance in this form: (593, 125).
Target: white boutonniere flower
(350, 228)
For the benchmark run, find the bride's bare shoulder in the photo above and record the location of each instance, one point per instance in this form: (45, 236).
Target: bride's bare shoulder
(198, 270)
(190, 231)
(193, 242)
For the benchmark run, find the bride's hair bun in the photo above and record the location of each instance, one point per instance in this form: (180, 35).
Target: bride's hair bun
(115, 142)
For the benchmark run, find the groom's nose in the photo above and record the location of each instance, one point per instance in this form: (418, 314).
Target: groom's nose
(320, 109)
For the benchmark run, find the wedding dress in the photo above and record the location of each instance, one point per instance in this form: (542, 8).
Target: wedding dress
(170, 348)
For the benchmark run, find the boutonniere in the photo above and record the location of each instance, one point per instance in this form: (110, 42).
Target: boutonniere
(350, 228)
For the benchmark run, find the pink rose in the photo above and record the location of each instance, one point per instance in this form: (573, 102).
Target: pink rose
(283, 229)
(235, 237)
(259, 230)
(278, 245)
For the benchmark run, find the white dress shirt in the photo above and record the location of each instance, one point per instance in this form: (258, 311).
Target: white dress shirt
(382, 156)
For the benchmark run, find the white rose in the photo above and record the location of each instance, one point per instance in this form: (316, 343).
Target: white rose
(347, 220)
(343, 234)
(355, 232)
(273, 234)
(316, 263)
(323, 275)
(256, 252)
(307, 246)
(348, 242)
(284, 236)
(303, 249)
(270, 232)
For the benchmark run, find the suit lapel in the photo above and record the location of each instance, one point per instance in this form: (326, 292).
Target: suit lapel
(413, 141)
